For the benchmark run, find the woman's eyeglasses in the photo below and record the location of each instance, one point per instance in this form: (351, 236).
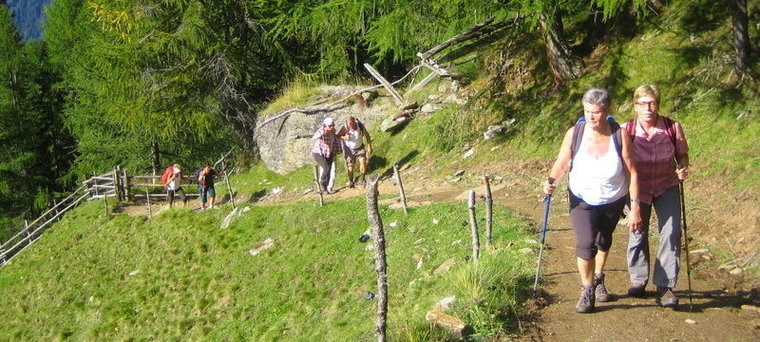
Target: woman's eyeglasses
(646, 103)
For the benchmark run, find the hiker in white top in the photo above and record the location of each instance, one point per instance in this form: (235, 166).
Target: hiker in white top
(354, 135)
(597, 180)
(174, 186)
(600, 158)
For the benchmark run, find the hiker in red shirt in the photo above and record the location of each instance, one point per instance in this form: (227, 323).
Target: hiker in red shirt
(658, 145)
(326, 146)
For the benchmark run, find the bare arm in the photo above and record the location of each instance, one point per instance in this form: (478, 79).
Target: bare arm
(561, 164)
(634, 217)
(366, 135)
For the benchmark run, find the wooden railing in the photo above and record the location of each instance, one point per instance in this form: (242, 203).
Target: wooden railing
(116, 184)
(32, 231)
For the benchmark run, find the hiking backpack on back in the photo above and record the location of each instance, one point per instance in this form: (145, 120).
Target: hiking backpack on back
(167, 173)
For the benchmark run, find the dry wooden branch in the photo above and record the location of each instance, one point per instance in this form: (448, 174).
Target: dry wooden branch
(401, 191)
(376, 223)
(474, 227)
(319, 187)
(489, 209)
(395, 94)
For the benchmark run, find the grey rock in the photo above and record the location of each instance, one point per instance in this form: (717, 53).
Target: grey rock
(455, 86)
(468, 154)
(227, 220)
(459, 173)
(430, 108)
(288, 149)
(262, 246)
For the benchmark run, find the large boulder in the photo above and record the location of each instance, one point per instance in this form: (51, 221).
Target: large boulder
(285, 144)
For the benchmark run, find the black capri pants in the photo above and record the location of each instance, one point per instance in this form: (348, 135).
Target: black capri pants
(593, 225)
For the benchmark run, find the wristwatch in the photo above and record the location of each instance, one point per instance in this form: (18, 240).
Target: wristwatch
(635, 200)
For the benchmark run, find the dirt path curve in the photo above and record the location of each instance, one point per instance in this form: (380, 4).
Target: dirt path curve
(717, 315)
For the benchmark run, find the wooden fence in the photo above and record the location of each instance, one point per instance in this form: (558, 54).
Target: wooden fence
(32, 231)
(117, 184)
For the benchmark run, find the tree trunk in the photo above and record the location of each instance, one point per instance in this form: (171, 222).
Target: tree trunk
(156, 154)
(562, 62)
(741, 35)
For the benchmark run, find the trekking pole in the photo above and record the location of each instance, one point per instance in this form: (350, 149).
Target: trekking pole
(686, 243)
(548, 200)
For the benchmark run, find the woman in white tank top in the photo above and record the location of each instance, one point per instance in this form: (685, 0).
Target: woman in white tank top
(599, 180)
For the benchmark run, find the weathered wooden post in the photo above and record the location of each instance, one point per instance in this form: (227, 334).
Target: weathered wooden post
(147, 199)
(319, 187)
(116, 187)
(400, 188)
(55, 205)
(26, 228)
(489, 210)
(127, 186)
(376, 224)
(474, 226)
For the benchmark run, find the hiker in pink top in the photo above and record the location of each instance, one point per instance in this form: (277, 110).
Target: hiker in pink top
(326, 146)
(659, 145)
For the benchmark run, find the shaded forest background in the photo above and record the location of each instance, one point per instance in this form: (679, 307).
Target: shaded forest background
(143, 83)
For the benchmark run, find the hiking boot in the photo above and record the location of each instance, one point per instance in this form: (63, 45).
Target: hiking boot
(666, 298)
(600, 291)
(637, 290)
(586, 302)
(351, 184)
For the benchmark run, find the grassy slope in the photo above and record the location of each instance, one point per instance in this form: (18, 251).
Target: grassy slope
(178, 276)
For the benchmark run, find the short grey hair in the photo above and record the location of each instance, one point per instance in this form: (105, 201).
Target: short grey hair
(598, 96)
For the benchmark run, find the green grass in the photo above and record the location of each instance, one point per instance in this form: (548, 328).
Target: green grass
(297, 93)
(180, 277)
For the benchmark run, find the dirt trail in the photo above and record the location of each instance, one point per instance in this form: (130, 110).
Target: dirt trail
(717, 314)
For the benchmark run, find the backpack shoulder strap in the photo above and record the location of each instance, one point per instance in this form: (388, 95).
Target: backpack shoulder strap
(670, 129)
(577, 138)
(617, 138)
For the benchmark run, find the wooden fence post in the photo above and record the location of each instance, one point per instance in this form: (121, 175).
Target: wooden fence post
(127, 187)
(380, 260)
(26, 228)
(55, 205)
(400, 188)
(319, 187)
(489, 210)
(474, 226)
(147, 199)
(116, 186)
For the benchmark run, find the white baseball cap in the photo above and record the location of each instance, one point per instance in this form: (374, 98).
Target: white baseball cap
(328, 121)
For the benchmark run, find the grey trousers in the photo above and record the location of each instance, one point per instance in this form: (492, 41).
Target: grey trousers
(668, 262)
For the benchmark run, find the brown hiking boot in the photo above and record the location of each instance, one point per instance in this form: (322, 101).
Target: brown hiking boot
(586, 302)
(600, 291)
(637, 290)
(666, 298)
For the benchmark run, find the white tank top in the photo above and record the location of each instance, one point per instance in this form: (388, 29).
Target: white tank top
(600, 180)
(354, 138)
